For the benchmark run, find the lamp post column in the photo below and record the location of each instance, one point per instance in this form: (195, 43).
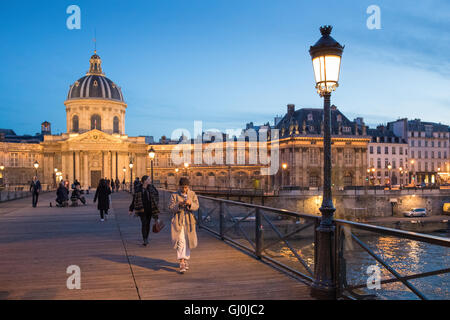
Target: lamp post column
(131, 180)
(324, 269)
(152, 169)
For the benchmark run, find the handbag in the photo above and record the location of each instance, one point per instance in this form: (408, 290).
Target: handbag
(158, 226)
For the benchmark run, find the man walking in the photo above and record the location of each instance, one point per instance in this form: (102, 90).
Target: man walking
(35, 188)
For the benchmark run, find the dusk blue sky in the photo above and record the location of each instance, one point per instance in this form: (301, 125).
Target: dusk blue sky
(225, 62)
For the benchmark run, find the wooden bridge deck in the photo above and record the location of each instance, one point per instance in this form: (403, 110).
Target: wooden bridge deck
(38, 244)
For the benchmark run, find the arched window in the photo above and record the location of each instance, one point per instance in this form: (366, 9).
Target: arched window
(116, 125)
(96, 122)
(75, 127)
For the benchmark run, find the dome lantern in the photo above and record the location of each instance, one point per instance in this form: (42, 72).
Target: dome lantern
(95, 65)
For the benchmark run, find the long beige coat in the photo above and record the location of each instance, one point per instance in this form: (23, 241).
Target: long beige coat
(182, 217)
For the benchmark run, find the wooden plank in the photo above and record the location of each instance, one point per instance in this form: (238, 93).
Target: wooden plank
(38, 244)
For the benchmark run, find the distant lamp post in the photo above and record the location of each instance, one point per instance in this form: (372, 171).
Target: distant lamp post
(186, 167)
(2, 169)
(55, 170)
(412, 175)
(326, 59)
(389, 172)
(131, 176)
(151, 155)
(36, 166)
(284, 167)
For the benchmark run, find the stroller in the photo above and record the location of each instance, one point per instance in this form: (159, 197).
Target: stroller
(76, 195)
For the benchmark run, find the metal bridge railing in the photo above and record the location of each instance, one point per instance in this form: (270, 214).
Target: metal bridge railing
(289, 240)
(411, 265)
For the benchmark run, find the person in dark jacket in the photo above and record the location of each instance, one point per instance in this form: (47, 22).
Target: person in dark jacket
(62, 195)
(117, 185)
(136, 183)
(102, 194)
(146, 205)
(35, 188)
(113, 185)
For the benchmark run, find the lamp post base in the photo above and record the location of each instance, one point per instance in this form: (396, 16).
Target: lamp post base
(324, 286)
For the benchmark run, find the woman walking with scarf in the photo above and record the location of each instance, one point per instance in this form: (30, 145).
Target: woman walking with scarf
(184, 236)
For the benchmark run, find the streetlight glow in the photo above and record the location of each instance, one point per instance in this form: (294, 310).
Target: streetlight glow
(326, 59)
(151, 153)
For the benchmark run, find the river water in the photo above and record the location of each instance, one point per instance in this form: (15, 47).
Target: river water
(407, 257)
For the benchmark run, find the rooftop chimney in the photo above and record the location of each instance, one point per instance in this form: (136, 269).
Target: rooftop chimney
(290, 109)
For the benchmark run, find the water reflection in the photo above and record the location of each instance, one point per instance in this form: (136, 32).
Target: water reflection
(407, 257)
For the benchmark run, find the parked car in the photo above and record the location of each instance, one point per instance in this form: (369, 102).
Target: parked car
(416, 212)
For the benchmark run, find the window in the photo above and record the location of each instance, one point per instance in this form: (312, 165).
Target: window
(386, 163)
(419, 143)
(439, 144)
(386, 150)
(14, 159)
(116, 125)
(412, 143)
(75, 124)
(420, 154)
(378, 150)
(348, 156)
(426, 143)
(393, 164)
(439, 154)
(313, 180)
(313, 156)
(379, 163)
(432, 154)
(401, 150)
(412, 154)
(426, 154)
(371, 150)
(393, 150)
(96, 122)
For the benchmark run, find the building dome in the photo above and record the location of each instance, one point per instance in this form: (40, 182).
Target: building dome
(94, 85)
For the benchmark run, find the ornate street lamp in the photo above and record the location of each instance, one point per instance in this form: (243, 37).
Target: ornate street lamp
(36, 166)
(2, 168)
(412, 175)
(389, 171)
(326, 59)
(284, 167)
(131, 176)
(55, 170)
(151, 154)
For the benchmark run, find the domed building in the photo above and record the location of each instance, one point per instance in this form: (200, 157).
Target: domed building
(95, 145)
(95, 102)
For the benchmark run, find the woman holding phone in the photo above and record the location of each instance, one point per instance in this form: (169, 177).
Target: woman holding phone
(184, 236)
